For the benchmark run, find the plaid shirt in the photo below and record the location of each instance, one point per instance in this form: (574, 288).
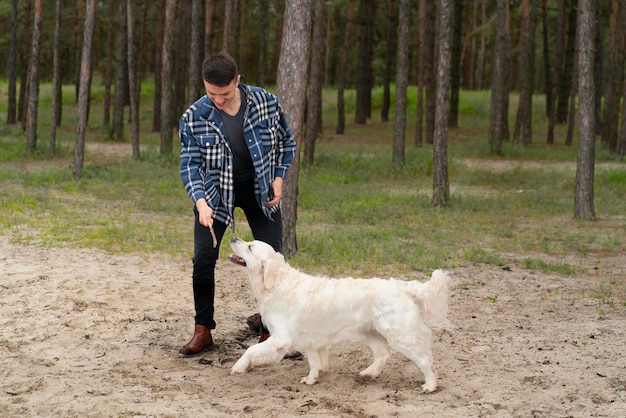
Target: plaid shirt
(206, 161)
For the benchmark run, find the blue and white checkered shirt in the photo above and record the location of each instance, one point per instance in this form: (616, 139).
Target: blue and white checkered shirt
(206, 161)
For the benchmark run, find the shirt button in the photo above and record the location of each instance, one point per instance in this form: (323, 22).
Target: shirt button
(207, 144)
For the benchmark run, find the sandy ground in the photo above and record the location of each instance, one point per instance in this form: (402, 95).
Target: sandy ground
(86, 333)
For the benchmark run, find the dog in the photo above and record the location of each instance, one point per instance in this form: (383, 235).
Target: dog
(309, 313)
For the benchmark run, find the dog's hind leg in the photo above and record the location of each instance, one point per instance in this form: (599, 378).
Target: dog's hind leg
(318, 361)
(417, 348)
(380, 349)
(269, 351)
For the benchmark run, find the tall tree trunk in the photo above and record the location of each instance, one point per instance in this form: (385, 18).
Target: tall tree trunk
(83, 89)
(228, 25)
(621, 148)
(480, 79)
(194, 89)
(499, 85)
(133, 84)
(33, 79)
(25, 48)
(566, 73)
(180, 56)
(262, 50)
(614, 83)
(523, 121)
(291, 89)
(78, 35)
(441, 186)
(426, 79)
(108, 67)
(549, 87)
(583, 198)
(121, 73)
(166, 79)
(158, 62)
(391, 26)
(364, 76)
(57, 94)
(316, 81)
(343, 69)
(402, 81)
(12, 67)
(455, 64)
(209, 26)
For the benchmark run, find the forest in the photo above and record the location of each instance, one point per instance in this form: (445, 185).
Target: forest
(570, 52)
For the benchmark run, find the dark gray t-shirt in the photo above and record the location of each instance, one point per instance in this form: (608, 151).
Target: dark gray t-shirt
(243, 169)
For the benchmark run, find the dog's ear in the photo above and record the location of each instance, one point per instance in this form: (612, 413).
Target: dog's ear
(269, 273)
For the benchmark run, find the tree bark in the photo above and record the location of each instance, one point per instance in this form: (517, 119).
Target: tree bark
(441, 187)
(523, 121)
(57, 94)
(343, 69)
(364, 75)
(583, 198)
(499, 85)
(12, 67)
(158, 62)
(108, 68)
(565, 77)
(133, 84)
(455, 64)
(549, 83)
(614, 82)
(83, 89)
(402, 81)
(391, 29)
(33, 79)
(121, 73)
(166, 77)
(291, 89)
(316, 81)
(195, 86)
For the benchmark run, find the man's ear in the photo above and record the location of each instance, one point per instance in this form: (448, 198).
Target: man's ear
(269, 274)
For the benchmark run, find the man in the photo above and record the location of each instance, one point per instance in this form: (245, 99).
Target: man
(236, 148)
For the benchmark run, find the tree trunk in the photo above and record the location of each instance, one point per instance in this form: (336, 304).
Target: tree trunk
(121, 74)
(425, 70)
(441, 186)
(583, 199)
(12, 67)
(343, 69)
(391, 26)
(133, 84)
(108, 68)
(455, 64)
(364, 76)
(83, 89)
(549, 86)
(33, 79)
(402, 81)
(316, 81)
(25, 47)
(614, 81)
(209, 26)
(262, 50)
(78, 35)
(195, 86)
(228, 24)
(158, 62)
(166, 77)
(523, 121)
(291, 89)
(57, 95)
(499, 85)
(566, 73)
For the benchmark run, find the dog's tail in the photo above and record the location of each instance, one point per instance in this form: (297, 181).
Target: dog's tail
(432, 298)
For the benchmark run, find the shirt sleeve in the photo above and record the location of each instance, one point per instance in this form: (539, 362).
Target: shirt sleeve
(286, 147)
(191, 162)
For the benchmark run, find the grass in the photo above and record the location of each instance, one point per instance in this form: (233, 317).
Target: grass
(357, 213)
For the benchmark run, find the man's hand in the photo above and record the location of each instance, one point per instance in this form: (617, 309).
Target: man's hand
(277, 188)
(205, 213)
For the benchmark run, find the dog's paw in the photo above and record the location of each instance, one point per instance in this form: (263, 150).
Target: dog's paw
(307, 380)
(427, 388)
(239, 367)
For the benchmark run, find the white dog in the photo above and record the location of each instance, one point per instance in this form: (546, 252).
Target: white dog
(308, 313)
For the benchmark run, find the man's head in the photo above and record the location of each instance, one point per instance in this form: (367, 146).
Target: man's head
(220, 70)
(221, 79)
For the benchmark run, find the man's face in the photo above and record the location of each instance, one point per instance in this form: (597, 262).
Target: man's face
(221, 96)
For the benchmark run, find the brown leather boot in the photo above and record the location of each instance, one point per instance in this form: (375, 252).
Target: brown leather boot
(200, 341)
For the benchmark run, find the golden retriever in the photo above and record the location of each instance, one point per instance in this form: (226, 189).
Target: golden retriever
(308, 313)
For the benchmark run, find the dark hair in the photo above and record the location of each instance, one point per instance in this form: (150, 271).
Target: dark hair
(219, 69)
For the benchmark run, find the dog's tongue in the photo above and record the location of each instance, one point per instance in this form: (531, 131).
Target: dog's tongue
(236, 260)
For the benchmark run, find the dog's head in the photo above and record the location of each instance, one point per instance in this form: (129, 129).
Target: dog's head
(259, 258)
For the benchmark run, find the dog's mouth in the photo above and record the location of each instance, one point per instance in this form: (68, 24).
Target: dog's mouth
(236, 260)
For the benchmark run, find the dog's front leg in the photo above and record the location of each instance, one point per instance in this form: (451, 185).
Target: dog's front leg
(318, 361)
(269, 351)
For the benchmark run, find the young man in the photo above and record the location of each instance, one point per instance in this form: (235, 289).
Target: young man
(236, 150)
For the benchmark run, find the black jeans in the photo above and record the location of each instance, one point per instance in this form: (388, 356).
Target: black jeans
(205, 255)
